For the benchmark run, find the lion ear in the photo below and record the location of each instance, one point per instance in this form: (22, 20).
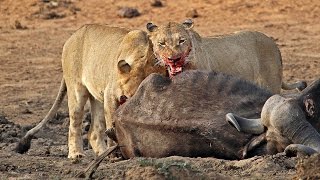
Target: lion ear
(124, 67)
(151, 27)
(188, 23)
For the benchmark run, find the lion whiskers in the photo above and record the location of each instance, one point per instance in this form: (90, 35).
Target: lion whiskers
(159, 62)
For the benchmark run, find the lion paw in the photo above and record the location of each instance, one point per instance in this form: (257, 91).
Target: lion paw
(76, 157)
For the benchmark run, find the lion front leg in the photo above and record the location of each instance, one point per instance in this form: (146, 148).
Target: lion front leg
(110, 106)
(97, 128)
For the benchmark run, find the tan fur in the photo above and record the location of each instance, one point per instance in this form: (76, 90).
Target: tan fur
(100, 63)
(250, 55)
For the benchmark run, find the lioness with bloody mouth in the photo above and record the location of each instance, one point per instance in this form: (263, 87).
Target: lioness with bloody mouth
(248, 54)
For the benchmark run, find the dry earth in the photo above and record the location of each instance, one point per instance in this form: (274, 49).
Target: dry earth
(32, 34)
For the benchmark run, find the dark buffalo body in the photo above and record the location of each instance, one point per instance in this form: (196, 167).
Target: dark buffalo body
(185, 116)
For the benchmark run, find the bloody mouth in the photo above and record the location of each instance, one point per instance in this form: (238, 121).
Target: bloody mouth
(175, 67)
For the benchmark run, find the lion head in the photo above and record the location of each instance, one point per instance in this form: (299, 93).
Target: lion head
(171, 44)
(135, 62)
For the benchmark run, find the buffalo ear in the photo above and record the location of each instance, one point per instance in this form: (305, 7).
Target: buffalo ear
(188, 23)
(309, 107)
(123, 66)
(151, 27)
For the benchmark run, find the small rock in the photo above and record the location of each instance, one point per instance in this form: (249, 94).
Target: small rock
(26, 111)
(74, 10)
(128, 12)
(53, 15)
(156, 3)
(192, 13)
(18, 25)
(7, 127)
(54, 4)
(4, 120)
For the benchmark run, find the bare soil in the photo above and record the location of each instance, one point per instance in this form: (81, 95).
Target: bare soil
(32, 34)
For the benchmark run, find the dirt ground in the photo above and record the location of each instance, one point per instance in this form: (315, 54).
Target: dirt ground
(32, 34)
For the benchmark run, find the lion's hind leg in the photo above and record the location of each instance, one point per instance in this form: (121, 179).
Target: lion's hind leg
(77, 98)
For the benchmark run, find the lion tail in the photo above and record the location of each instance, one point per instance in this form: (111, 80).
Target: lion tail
(25, 142)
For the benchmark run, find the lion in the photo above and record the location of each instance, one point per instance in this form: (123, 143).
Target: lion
(248, 54)
(105, 65)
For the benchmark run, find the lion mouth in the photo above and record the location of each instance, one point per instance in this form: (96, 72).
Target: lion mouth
(175, 66)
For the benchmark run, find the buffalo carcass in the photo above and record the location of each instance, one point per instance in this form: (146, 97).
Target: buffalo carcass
(185, 116)
(292, 123)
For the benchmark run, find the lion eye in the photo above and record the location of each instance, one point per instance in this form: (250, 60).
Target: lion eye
(162, 44)
(181, 41)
